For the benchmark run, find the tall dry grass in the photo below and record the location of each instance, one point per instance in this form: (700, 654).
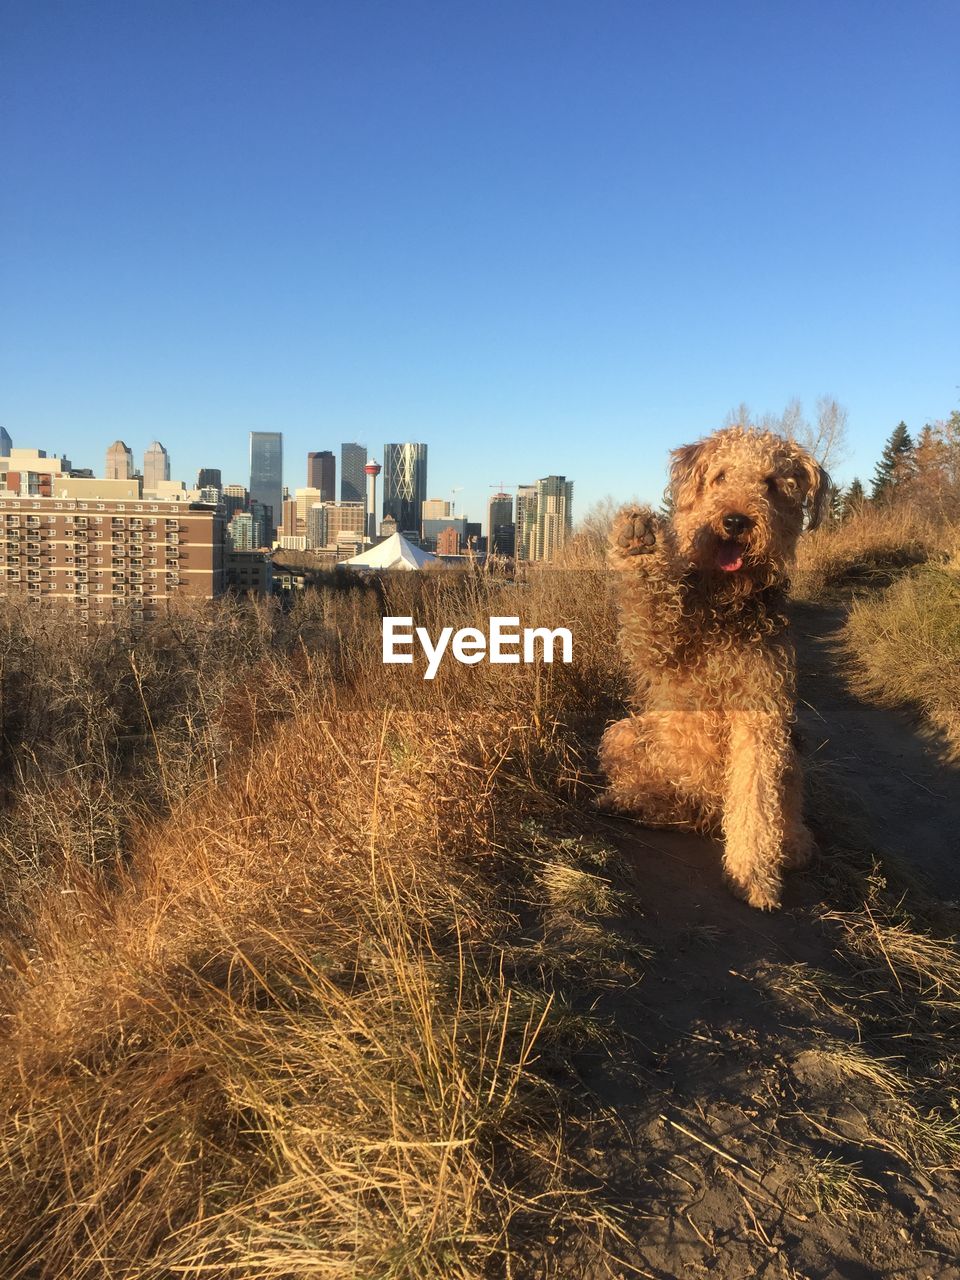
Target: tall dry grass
(868, 549)
(295, 1025)
(905, 646)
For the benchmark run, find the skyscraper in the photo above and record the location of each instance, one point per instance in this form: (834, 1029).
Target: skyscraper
(119, 462)
(209, 478)
(322, 474)
(266, 473)
(234, 498)
(554, 516)
(435, 509)
(525, 533)
(404, 484)
(156, 465)
(501, 537)
(6, 444)
(353, 458)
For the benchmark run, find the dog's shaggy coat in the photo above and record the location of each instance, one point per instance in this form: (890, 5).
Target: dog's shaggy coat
(704, 634)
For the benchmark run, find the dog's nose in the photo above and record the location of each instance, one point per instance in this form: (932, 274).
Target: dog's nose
(735, 524)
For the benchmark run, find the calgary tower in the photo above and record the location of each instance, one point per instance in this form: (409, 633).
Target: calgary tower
(372, 470)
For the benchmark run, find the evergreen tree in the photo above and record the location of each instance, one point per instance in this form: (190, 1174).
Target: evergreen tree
(894, 462)
(853, 500)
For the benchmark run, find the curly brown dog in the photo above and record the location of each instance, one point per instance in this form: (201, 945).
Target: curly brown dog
(705, 637)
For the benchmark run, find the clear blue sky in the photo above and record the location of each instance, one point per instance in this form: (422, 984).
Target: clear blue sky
(541, 237)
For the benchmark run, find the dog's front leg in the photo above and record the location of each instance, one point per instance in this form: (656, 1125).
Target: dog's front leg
(754, 823)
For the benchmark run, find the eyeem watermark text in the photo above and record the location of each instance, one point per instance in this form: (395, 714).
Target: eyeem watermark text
(503, 643)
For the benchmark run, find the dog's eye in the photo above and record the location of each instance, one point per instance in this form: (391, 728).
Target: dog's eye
(719, 478)
(772, 483)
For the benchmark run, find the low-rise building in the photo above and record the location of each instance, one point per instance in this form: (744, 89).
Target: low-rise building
(248, 572)
(448, 541)
(100, 554)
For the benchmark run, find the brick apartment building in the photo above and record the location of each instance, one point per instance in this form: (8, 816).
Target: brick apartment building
(104, 555)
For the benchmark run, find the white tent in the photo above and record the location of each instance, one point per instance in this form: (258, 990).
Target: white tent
(394, 552)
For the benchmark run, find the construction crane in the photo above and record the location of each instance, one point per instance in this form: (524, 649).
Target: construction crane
(453, 500)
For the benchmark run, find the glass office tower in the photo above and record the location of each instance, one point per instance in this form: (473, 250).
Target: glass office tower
(404, 484)
(353, 458)
(266, 473)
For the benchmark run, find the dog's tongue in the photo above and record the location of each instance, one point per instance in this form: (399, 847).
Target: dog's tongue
(730, 556)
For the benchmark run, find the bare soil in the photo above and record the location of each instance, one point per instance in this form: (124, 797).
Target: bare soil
(763, 1114)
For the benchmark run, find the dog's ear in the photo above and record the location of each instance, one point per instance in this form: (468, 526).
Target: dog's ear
(688, 469)
(818, 488)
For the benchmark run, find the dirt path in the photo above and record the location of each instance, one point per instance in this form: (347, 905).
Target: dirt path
(761, 1121)
(909, 798)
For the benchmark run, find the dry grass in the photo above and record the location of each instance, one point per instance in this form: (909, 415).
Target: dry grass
(870, 548)
(905, 646)
(301, 945)
(291, 1028)
(836, 1187)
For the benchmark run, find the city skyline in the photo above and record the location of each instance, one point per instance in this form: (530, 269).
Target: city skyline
(120, 462)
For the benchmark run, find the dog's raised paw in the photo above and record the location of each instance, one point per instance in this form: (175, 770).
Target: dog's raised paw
(635, 532)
